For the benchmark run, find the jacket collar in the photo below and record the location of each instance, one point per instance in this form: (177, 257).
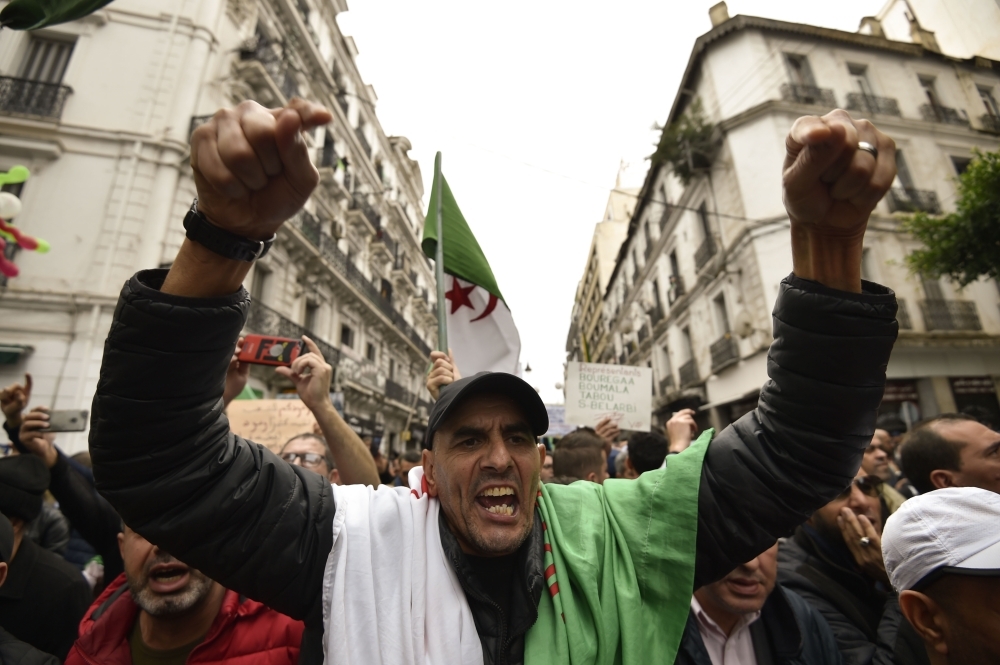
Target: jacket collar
(20, 570)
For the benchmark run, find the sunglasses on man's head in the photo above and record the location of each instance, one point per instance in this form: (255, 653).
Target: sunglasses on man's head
(308, 459)
(869, 486)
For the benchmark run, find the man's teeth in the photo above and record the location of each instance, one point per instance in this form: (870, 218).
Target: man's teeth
(501, 510)
(498, 491)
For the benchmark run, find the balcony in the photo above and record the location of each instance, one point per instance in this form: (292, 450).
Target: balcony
(688, 374)
(403, 274)
(944, 115)
(989, 123)
(361, 211)
(903, 315)
(364, 141)
(907, 199)
(666, 384)
(725, 351)
(265, 321)
(950, 315)
(872, 105)
(33, 99)
(809, 95)
(383, 246)
(704, 253)
(676, 289)
(268, 56)
(397, 392)
(362, 372)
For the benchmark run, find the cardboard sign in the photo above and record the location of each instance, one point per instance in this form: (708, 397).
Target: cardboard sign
(270, 422)
(621, 392)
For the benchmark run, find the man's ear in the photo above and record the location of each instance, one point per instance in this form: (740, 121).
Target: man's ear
(427, 459)
(121, 544)
(926, 617)
(542, 452)
(942, 478)
(592, 477)
(334, 477)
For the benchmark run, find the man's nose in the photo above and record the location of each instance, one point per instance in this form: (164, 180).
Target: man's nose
(497, 457)
(858, 501)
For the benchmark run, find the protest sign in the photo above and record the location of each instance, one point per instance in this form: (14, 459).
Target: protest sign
(270, 422)
(621, 392)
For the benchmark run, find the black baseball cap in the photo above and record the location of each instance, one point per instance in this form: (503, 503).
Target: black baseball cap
(501, 383)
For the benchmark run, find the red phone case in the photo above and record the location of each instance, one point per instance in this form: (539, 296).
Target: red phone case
(267, 350)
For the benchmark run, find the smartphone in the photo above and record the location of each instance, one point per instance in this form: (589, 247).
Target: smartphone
(70, 420)
(268, 350)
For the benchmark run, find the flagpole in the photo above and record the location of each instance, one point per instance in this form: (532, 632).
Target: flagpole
(439, 259)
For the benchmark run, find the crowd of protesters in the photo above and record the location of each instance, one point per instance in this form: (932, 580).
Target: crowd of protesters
(801, 534)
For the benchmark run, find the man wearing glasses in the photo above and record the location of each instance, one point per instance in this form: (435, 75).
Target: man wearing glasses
(310, 452)
(834, 561)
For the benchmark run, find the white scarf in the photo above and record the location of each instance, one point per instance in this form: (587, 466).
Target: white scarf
(390, 596)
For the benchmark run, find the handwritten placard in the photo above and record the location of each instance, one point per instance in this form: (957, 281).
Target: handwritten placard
(270, 422)
(621, 392)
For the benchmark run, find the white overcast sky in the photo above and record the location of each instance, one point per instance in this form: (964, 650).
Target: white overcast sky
(534, 104)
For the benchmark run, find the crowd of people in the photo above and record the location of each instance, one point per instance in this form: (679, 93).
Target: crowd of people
(810, 531)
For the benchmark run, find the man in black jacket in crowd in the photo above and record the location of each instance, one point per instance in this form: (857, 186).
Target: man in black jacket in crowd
(164, 456)
(834, 561)
(13, 650)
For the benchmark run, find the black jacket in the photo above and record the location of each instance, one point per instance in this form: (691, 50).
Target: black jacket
(15, 652)
(866, 620)
(165, 458)
(43, 599)
(788, 632)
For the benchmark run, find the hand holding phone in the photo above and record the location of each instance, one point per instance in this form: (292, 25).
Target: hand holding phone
(269, 350)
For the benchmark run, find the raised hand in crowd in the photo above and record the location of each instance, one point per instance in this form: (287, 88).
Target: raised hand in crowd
(607, 428)
(36, 441)
(311, 375)
(14, 400)
(681, 430)
(443, 371)
(236, 376)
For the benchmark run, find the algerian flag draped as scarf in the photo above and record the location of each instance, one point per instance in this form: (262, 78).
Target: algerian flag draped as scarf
(481, 330)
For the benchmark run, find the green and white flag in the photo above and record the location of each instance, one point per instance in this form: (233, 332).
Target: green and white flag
(481, 330)
(35, 14)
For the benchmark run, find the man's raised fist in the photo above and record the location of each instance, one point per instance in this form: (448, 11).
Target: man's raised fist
(251, 165)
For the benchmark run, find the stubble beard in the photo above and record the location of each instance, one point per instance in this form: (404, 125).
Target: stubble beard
(159, 606)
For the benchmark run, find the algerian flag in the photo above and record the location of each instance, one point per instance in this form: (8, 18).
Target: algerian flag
(34, 14)
(481, 330)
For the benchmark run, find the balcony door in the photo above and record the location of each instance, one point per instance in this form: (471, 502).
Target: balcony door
(799, 71)
(46, 60)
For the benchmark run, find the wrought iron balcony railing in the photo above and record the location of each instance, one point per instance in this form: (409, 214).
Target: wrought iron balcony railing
(676, 289)
(688, 373)
(990, 123)
(872, 105)
(704, 253)
(397, 392)
(950, 315)
(907, 199)
(725, 351)
(265, 321)
(808, 94)
(944, 114)
(903, 315)
(32, 98)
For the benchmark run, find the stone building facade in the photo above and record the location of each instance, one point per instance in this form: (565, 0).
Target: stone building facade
(697, 276)
(101, 110)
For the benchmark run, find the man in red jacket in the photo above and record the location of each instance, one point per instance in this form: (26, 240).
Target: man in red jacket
(162, 611)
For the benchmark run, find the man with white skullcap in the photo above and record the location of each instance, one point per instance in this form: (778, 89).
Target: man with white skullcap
(942, 554)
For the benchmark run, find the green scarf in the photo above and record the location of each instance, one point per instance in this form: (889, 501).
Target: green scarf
(619, 566)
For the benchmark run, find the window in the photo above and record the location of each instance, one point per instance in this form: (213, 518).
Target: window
(930, 90)
(46, 60)
(674, 269)
(989, 101)
(310, 319)
(960, 164)
(721, 316)
(392, 368)
(370, 351)
(649, 236)
(386, 290)
(346, 336)
(903, 171)
(859, 74)
(932, 288)
(259, 285)
(703, 217)
(656, 293)
(799, 70)
(329, 156)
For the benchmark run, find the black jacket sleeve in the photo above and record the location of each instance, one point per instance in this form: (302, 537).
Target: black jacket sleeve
(770, 470)
(88, 513)
(165, 458)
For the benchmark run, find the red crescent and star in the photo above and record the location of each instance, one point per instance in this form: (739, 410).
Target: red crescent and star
(459, 297)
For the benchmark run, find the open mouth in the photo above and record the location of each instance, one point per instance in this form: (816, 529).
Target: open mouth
(743, 586)
(168, 577)
(499, 501)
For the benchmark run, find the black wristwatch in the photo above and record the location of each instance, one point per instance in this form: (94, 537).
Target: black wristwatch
(221, 241)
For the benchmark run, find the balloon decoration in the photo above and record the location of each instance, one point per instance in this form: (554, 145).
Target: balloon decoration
(10, 207)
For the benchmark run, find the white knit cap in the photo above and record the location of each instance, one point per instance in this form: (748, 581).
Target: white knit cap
(957, 529)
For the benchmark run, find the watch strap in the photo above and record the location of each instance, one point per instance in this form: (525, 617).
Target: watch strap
(221, 241)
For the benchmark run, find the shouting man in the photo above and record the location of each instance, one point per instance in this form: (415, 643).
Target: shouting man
(496, 568)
